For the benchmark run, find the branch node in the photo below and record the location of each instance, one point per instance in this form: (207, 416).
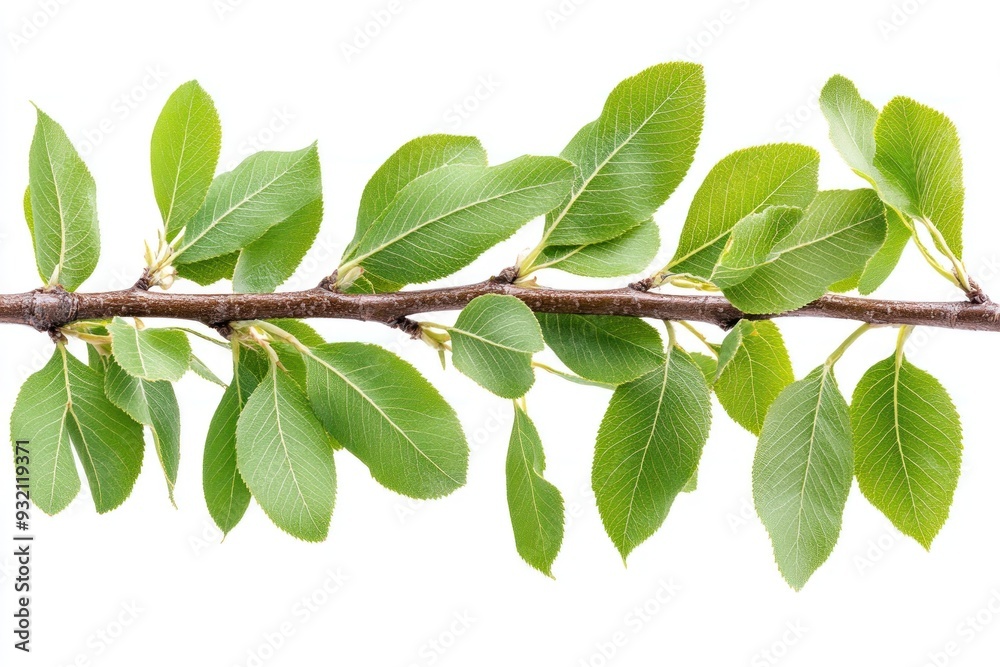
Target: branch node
(50, 308)
(643, 285)
(976, 294)
(329, 283)
(410, 327)
(143, 282)
(507, 276)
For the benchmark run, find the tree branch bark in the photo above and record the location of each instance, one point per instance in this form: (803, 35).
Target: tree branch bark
(51, 309)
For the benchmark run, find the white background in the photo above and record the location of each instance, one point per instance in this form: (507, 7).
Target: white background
(441, 583)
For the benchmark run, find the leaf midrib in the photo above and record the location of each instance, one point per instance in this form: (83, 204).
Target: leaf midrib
(382, 412)
(586, 182)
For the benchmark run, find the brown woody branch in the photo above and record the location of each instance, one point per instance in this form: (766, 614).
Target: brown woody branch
(50, 309)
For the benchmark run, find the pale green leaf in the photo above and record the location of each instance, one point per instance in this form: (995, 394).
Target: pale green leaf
(917, 149)
(446, 218)
(774, 263)
(747, 181)
(153, 404)
(907, 446)
(536, 506)
(226, 494)
(852, 125)
(412, 160)
(621, 256)
(242, 204)
(802, 473)
(286, 458)
(63, 208)
(603, 348)
(39, 418)
(150, 354)
(183, 154)
(492, 342)
(384, 412)
(755, 369)
(273, 258)
(108, 442)
(633, 156)
(648, 447)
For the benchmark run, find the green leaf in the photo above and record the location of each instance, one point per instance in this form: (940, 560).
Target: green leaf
(290, 357)
(183, 154)
(492, 342)
(39, 417)
(204, 372)
(412, 160)
(536, 506)
(706, 364)
(265, 189)
(852, 130)
(754, 368)
(747, 181)
(286, 458)
(603, 348)
(29, 217)
(150, 354)
(621, 256)
(226, 494)
(648, 447)
(917, 149)
(775, 263)
(446, 218)
(883, 262)
(385, 413)
(802, 473)
(633, 156)
(107, 441)
(852, 126)
(63, 208)
(153, 404)
(209, 271)
(273, 258)
(907, 446)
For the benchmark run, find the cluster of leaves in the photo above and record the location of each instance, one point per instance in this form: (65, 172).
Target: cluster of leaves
(758, 229)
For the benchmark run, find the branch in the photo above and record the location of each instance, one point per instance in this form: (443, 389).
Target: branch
(51, 309)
